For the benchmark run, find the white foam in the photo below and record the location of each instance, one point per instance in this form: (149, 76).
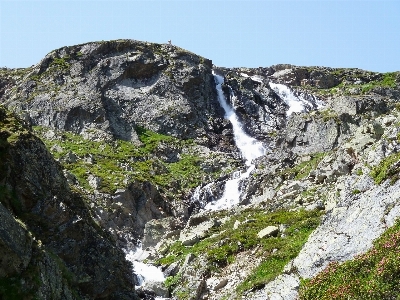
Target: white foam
(295, 104)
(249, 148)
(145, 273)
(257, 78)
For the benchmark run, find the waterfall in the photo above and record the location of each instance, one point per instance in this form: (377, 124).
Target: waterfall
(249, 148)
(145, 274)
(296, 103)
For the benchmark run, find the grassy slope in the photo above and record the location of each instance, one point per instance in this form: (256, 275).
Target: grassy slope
(225, 242)
(373, 275)
(116, 161)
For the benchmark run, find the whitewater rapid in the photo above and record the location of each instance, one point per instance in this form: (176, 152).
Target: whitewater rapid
(249, 147)
(296, 103)
(144, 273)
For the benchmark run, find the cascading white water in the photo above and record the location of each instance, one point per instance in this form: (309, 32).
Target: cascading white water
(249, 147)
(145, 273)
(295, 103)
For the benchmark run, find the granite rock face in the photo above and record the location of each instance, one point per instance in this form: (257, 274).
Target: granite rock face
(107, 89)
(34, 190)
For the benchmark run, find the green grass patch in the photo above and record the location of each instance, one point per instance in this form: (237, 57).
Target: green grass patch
(222, 248)
(347, 76)
(118, 161)
(172, 281)
(303, 169)
(61, 62)
(373, 275)
(329, 114)
(11, 128)
(388, 168)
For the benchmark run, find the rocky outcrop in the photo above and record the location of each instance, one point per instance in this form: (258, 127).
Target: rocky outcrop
(125, 213)
(35, 190)
(15, 245)
(106, 89)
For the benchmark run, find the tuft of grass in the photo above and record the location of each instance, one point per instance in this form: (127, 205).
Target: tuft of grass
(172, 281)
(388, 168)
(303, 169)
(61, 62)
(373, 275)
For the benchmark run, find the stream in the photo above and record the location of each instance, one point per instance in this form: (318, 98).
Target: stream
(250, 149)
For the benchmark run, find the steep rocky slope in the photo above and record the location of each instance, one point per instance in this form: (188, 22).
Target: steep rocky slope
(142, 146)
(50, 245)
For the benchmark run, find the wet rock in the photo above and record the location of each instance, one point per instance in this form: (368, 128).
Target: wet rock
(156, 287)
(172, 269)
(192, 282)
(155, 230)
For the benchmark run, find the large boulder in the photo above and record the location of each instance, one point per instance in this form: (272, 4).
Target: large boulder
(112, 87)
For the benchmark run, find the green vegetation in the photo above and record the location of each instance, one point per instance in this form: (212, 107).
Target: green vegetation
(224, 243)
(388, 80)
(10, 128)
(388, 168)
(367, 82)
(172, 281)
(61, 62)
(57, 65)
(11, 289)
(120, 161)
(329, 114)
(303, 169)
(373, 275)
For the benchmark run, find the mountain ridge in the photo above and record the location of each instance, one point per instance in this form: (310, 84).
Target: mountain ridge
(135, 127)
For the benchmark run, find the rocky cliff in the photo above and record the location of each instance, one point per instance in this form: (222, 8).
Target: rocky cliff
(125, 141)
(51, 247)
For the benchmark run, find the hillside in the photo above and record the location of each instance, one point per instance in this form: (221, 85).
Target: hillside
(107, 146)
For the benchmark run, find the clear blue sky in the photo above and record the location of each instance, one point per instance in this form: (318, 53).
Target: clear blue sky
(247, 33)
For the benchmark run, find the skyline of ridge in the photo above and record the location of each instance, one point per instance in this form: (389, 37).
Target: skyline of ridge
(337, 34)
